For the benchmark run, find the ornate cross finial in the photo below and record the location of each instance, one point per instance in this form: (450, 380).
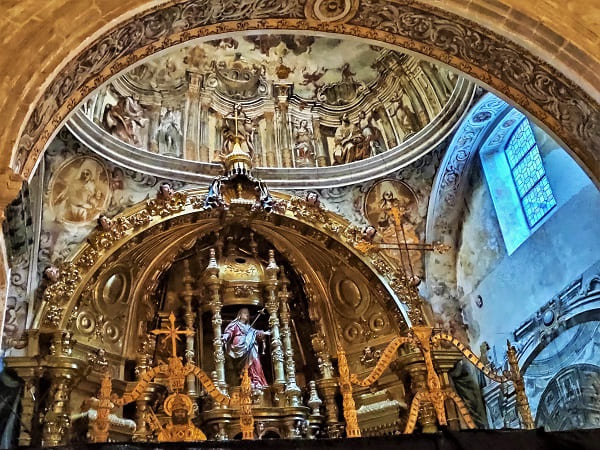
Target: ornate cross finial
(173, 333)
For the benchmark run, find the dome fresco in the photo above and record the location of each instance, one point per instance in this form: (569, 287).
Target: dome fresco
(299, 101)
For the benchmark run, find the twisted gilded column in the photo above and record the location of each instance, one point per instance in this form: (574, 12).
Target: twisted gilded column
(213, 284)
(292, 391)
(272, 304)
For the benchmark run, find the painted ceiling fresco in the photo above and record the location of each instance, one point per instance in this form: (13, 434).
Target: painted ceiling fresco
(295, 101)
(308, 62)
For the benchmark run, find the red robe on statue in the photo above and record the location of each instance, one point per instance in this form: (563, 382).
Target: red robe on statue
(241, 342)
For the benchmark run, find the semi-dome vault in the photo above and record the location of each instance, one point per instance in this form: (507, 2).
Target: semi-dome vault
(303, 102)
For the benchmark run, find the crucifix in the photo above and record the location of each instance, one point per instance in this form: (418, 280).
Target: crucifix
(173, 333)
(237, 116)
(406, 246)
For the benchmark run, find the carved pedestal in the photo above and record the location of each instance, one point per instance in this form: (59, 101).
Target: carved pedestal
(62, 372)
(329, 389)
(27, 369)
(413, 364)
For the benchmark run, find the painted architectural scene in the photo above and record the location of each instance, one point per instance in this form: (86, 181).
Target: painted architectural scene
(298, 101)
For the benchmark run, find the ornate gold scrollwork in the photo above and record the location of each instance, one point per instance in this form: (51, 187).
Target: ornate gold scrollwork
(59, 296)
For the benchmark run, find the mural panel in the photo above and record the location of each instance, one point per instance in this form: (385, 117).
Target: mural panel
(391, 207)
(79, 191)
(306, 101)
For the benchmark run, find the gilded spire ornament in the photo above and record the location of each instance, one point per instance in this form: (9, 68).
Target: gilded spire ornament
(352, 428)
(518, 383)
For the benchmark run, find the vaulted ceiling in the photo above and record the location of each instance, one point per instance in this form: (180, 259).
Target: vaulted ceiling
(565, 40)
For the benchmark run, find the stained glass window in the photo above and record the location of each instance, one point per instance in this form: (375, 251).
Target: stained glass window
(528, 174)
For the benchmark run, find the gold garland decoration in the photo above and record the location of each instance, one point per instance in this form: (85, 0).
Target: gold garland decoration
(421, 336)
(471, 357)
(384, 361)
(352, 428)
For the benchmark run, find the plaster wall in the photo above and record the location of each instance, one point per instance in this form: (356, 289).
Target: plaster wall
(560, 249)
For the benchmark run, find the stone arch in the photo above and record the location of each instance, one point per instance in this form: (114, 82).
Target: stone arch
(570, 400)
(446, 203)
(585, 309)
(505, 67)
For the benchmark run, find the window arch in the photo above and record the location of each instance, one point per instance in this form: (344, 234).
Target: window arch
(516, 178)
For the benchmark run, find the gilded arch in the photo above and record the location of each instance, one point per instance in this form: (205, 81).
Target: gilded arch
(151, 235)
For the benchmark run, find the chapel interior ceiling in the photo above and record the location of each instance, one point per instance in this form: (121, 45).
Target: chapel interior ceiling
(299, 101)
(311, 103)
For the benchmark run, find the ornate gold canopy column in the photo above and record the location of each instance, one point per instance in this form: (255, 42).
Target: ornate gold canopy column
(292, 391)
(272, 304)
(190, 318)
(213, 284)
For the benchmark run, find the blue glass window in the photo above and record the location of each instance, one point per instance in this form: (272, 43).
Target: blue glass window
(528, 174)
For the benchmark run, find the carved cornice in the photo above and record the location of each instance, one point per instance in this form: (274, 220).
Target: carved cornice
(577, 303)
(506, 67)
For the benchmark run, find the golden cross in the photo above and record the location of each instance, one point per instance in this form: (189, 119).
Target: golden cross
(173, 333)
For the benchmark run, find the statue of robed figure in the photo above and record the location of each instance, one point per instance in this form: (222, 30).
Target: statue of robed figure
(241, 345)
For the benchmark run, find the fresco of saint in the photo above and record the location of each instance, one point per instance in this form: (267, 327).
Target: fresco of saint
(241, 345)
(379, 202)
(80, 191)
